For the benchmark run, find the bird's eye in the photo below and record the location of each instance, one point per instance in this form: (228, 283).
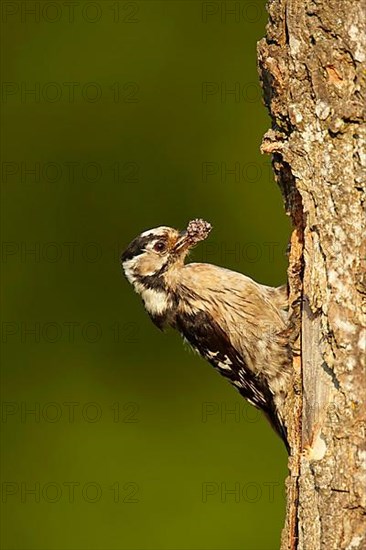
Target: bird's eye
(160, 246)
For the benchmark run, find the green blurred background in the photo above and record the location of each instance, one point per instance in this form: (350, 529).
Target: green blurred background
(118, 117)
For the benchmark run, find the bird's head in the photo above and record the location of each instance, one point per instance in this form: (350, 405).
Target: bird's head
(150, 255)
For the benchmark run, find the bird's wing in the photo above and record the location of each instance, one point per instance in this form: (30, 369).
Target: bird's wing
(209, 339)
(243, 308)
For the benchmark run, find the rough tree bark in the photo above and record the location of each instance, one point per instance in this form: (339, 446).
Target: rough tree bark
(310, 64)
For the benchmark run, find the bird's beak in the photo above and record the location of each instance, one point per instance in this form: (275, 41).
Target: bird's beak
(183, 243)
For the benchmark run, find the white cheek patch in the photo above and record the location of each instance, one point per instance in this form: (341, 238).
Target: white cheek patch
(145, 266)
(149, 273)
(156, 301)
(150, 263)
(129, 269)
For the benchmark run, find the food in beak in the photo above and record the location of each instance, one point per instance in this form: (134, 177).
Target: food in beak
(197, 230)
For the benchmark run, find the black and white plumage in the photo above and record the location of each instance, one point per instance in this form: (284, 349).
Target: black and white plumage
(236, 324)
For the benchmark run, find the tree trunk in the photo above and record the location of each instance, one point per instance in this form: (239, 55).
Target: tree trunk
(310, 65)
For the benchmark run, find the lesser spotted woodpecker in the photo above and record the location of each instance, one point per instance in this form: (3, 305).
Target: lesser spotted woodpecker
(236, 324)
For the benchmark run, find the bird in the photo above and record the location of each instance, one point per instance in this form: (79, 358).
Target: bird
(238, 325)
